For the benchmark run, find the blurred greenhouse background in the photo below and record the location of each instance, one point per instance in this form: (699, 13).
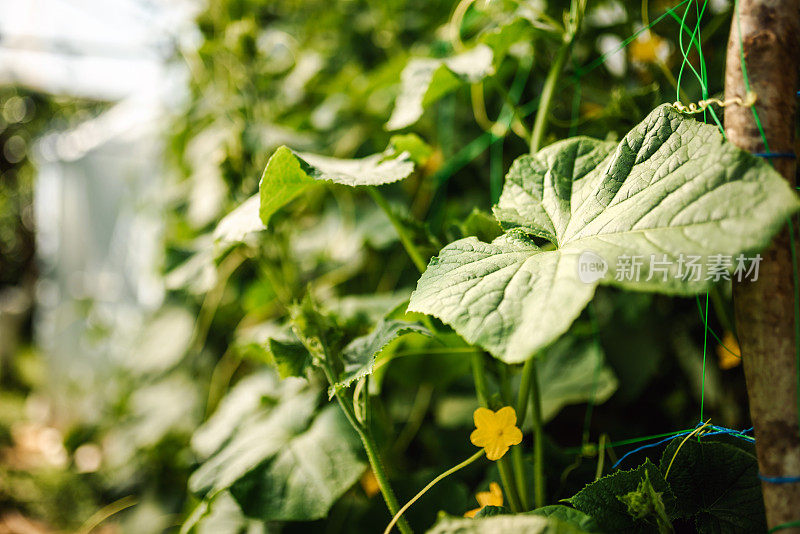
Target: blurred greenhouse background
(130, 128)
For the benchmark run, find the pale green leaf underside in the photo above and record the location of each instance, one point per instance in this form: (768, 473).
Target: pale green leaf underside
(425, 80)
(240, 223)
(672, 186)
(505, 524)
(288, 174)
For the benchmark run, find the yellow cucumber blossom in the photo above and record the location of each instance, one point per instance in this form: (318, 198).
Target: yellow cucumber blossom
(495, 431)
(493, 497)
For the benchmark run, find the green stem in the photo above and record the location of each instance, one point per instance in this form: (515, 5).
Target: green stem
(522, 411)
(554, 74)
(507, 478)
(519, 477)
(372, 452)
(465, 463)
(405, 239)
(481, 389)
(524, 390)
(538, 439)
(546, 100)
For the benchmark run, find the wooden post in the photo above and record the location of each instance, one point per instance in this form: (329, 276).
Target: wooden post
(766, 33)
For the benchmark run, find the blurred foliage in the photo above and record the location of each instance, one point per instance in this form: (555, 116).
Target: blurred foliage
(324, 77)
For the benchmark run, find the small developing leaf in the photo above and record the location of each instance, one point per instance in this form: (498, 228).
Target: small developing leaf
(501, 38)
(288, 174)
(418, 150)
(290, 358)
(359, 355)
(425, 80)
(645, 503)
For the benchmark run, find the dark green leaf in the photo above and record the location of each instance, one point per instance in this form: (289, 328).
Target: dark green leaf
(603, 499)
(568, 515)
(717, 484)
(573, 371)
(490, 511)
(290, 358)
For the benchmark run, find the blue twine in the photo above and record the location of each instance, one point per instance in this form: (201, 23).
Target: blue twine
(790, 155)
(643, 447)
(779, 480)
(718, 430)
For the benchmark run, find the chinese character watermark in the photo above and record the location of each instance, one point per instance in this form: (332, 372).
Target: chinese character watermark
(660, 268)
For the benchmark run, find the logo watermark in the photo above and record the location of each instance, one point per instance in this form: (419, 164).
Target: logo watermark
(686, 267)
(591, 267)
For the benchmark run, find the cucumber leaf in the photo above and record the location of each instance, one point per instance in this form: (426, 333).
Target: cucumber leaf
(639, 500)
(426, 80)
(717, 484)
(673, 186)
(275, 452)
(288, 174)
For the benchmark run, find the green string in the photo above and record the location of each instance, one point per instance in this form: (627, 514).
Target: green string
(784, 526)
(746, 79)
(631, 441)
(705, 349)
(711, 330)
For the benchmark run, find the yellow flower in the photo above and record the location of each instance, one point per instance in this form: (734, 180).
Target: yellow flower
(493, 497)
(495, 431)
(729, 345)
(369, 483)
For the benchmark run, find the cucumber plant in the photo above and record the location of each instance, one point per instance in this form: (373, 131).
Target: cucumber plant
(503, 300)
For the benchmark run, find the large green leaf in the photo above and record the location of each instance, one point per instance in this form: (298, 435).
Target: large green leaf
(308, 474)
(288, 174)
(607, 500)
(505, 524)
(717, 484)
(673, 186)
(425, 80)
(260, 435)
(275, 453)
